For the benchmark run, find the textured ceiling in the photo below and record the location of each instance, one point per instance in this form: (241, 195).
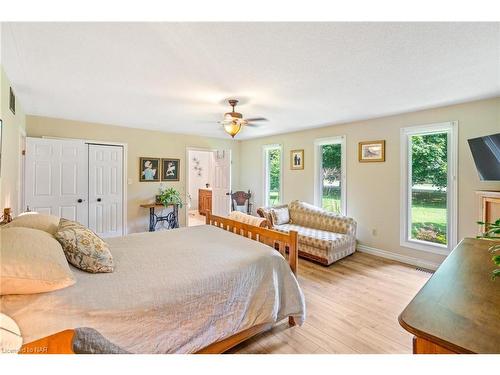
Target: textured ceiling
(175, 76)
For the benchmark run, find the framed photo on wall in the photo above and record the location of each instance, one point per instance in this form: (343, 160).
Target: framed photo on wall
(371, 151)
(149, 169)
(297, 159)
(170, 169)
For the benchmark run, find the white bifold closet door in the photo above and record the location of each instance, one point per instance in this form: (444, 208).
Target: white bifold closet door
(77, 181)
(56, 178)
(105, 189)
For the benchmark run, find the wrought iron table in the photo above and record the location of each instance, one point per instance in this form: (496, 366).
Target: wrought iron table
(172, 218)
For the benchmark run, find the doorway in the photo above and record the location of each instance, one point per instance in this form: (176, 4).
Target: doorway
(208, 184)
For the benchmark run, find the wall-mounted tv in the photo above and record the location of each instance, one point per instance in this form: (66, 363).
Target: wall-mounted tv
(486, 154)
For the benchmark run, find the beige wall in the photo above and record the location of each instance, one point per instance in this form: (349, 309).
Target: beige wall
(140, 143)
(373, 189)
(13, 128)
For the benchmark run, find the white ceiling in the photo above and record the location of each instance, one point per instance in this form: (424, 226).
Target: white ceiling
(174, 76)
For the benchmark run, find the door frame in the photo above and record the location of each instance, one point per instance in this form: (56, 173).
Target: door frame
(186, 171)
(125, 168)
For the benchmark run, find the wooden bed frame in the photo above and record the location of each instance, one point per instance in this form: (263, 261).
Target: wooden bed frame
(61, 342)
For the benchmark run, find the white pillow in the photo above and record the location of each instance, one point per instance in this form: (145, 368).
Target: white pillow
(280, 215)
(32, 262)
(34, 220)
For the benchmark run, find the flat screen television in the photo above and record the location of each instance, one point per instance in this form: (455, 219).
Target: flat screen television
(486, 154)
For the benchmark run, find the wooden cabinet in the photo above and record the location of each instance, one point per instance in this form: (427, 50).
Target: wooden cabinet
(456, 311)
(489, 205)
(204, 201)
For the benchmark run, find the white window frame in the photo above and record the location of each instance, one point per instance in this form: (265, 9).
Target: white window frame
(318, 185)
(451, 128)
(265, 168)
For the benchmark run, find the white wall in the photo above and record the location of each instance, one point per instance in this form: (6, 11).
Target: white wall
(13, 127)
(195, 181)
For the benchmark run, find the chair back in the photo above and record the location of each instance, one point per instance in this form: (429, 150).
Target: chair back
(241, 200)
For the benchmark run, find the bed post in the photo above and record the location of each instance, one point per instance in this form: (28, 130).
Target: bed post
(293, 256)
(207, 217)
(293, 260)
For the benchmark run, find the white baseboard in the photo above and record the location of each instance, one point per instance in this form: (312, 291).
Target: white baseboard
(398, 257)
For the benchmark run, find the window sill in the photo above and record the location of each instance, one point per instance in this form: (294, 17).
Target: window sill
(426, 246)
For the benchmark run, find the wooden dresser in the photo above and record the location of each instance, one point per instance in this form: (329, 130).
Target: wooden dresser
(458, 309)
(204, 200)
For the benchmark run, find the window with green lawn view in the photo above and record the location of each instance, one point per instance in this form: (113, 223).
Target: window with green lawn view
(273, 165)
(430, 181)
(329, 182)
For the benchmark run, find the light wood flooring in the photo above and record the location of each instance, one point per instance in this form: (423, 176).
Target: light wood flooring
(352, 307)
(195, 219)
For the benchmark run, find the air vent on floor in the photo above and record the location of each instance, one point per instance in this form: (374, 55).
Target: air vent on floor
(424, 270)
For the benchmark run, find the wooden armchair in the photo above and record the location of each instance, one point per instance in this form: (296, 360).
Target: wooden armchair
(241, 199)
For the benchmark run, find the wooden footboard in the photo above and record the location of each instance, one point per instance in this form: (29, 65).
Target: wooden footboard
(283, 242)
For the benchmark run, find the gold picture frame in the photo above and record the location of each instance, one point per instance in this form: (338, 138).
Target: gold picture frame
(297, 159)
(371, 151)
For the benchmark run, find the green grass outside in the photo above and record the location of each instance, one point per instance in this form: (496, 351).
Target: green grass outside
(429, 220)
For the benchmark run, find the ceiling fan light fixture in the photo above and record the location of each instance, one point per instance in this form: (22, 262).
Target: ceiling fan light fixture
(232, 128)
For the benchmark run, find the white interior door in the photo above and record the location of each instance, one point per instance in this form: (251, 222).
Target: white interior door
(56, 180)
(221, 201)
(106, 190)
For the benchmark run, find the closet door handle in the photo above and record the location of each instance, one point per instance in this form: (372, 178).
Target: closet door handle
(98, 199)
(80, 200)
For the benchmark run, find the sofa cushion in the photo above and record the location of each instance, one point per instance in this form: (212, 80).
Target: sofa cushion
(280, 215)
(320, 239)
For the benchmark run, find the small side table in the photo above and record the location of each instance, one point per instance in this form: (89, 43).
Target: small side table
(172, 218)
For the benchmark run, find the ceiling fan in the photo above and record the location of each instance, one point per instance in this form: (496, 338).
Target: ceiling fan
(233, 121)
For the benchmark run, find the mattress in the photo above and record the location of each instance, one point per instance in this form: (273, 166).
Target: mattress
(173, 291)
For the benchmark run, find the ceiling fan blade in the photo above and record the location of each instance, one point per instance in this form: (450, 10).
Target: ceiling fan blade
(252, 119)
(253, 125)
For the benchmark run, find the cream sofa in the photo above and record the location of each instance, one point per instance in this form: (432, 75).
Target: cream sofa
(324, 237)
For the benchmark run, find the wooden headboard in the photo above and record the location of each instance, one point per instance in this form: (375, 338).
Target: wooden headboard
(283, 242)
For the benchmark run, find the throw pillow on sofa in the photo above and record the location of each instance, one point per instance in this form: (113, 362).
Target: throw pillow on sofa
(280, 215)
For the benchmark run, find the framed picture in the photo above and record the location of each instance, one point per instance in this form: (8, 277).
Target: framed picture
(371, 151)
(170, 169)
(297, 159)
(149, 169)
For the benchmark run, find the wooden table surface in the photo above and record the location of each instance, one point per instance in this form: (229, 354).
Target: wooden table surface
(459, 307)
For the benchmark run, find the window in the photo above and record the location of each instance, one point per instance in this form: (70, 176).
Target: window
(329, 187)
(428, 188)
(273, 162)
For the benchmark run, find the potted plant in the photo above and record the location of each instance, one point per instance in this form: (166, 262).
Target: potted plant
(169, 196)
(492, 232)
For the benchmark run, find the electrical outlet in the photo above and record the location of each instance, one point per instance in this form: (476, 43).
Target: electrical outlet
(374, 232)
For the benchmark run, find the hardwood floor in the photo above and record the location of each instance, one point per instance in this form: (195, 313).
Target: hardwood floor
(352, 307)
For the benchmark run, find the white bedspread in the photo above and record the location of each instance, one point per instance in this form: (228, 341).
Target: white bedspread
(172, 292)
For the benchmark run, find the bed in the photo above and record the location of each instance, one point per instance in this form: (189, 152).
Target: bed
(200, 289)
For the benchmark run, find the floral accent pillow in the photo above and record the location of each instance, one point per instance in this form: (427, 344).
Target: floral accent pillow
(83, 248)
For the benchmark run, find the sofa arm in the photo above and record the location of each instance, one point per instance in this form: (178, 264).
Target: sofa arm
(265, 212)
